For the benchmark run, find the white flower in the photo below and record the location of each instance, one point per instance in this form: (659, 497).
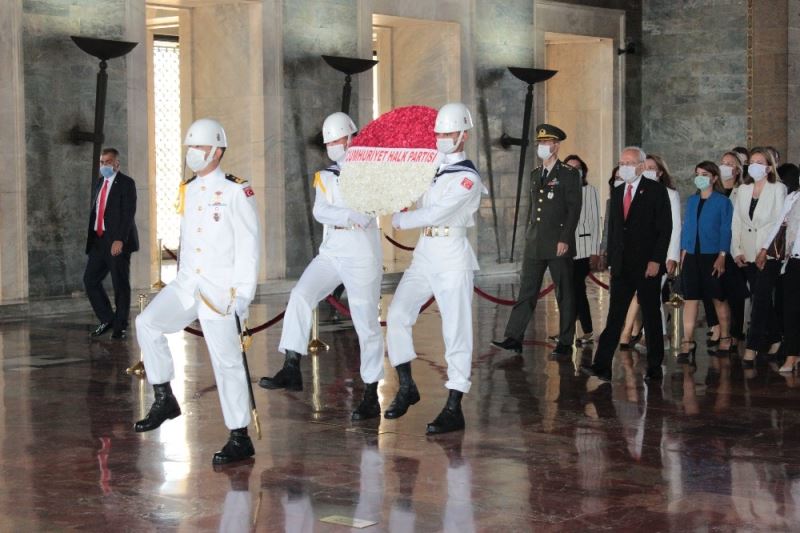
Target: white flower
(381, 181)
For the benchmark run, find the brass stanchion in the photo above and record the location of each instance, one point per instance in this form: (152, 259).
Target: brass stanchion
(158, 285)
(315, 344)
(676, 303)
(138, 369)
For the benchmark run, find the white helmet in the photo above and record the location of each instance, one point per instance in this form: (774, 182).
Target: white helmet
(453, 117)
(206, 132)
(336, 126)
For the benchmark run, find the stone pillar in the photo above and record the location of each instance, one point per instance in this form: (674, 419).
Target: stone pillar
(769, 72)
(13, 191)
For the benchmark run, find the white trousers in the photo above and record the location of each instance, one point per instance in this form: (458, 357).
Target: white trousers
(453, 293)
(362, 280)
(170, 312)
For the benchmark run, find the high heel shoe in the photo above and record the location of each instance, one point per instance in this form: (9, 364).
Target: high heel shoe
(631, 342)
(722, 352)
(686, 357)
(789, 368)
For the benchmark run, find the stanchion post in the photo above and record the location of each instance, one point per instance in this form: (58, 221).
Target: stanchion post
(315, 345)
(158, 285)
(676, 303)
(138, 369)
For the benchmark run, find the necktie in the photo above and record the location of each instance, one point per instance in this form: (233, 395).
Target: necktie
(626, 202)
(544, 176)
(101, 209)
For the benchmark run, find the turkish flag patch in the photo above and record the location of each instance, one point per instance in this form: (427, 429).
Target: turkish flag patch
(248, 191)
(467, 183)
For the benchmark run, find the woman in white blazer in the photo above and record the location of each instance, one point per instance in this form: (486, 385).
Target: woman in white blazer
(756, 208)
(655, 168)
(587, 248)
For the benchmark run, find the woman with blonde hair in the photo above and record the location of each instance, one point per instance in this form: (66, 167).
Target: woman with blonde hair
(757, 207)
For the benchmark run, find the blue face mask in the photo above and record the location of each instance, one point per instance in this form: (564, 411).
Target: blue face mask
(702, 182)
(107, 171)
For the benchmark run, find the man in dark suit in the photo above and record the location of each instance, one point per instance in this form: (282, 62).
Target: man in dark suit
(112, 238)
(549, 244)
(639, 230)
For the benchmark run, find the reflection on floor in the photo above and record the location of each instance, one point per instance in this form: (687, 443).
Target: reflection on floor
(710, 449)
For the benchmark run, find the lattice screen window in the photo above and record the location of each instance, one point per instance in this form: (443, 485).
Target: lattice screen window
(167, 96)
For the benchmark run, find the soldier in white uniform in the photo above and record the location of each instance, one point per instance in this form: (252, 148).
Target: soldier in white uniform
(351, 254)
(443, 266)
(217, 276)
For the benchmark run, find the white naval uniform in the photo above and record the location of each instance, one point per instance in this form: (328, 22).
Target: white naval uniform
(219, 253)
(348, 255)
(442, 266)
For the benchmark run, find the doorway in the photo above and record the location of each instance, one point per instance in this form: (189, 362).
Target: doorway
(427, 72)
(580, 100)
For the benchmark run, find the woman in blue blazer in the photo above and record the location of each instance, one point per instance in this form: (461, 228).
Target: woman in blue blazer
(705, 243)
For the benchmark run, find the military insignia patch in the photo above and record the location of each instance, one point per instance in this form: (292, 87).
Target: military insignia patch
(467, 183)
(248, 191)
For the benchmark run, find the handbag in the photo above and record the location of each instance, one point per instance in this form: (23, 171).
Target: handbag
(777, 248)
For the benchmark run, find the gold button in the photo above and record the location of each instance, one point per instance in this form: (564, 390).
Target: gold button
(540, 200)
(197, 270)
(541, 191)
(199, 230)
(197, 250)
(538, 219)
(538, 208)
(203, 187)
(199, 207)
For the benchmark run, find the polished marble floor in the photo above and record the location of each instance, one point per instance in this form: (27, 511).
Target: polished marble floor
(712, 449)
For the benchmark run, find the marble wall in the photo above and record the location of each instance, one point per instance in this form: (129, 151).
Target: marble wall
(694, 88)
(59, 84)
(769, 74)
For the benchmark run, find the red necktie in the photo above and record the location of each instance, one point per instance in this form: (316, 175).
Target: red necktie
(626, 202)
(101, 210)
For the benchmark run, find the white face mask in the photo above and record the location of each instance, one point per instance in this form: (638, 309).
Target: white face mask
(757, 171)
(197, 160)
(650, 174)
(628, 173)
(726, 172)
(544, 151)
(336, 152)
(446, 145)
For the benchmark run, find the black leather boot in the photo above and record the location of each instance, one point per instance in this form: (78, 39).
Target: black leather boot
(369, 407)
(451, 418)
(238, 448)
(164, 408)
(407, 396)
(289, 377)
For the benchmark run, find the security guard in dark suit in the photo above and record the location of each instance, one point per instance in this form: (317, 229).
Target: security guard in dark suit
(549, 243)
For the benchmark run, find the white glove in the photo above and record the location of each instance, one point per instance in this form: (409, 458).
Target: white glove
(360, 219)
(396, 218)
(240, 306)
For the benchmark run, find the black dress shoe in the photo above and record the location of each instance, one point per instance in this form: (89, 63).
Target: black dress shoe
(450, 419)
(603, 375)
(238, 448)
(101, 329)
(164, 408)
(654, 375)
(289, 377)
(119, 334)
(562, 349)
(406, 396)
(509, 344)
(369, 407)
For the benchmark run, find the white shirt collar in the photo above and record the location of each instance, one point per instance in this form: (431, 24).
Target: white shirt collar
(215, 174)
(634, 186)
(452, 159)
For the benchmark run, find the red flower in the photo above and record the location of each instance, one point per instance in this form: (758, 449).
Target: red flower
(404, 127)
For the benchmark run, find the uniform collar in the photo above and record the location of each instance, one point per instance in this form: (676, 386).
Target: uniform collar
(214, 175)
(452, 159)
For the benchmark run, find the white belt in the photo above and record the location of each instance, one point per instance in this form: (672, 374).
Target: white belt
(443, 231)
(345, 228)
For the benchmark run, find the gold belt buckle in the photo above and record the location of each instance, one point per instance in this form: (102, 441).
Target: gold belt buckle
(428, 231)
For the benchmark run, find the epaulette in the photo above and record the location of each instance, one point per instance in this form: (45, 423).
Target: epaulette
(231, 177)
(188, 181)
(334, 169)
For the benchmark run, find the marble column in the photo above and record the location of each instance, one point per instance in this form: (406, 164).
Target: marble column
(13, 191)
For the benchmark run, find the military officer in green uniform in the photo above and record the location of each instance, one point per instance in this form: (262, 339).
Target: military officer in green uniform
(549, 243)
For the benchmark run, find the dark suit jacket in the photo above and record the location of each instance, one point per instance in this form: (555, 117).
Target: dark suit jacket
(555, 211)
(645, 235)
(119, 214)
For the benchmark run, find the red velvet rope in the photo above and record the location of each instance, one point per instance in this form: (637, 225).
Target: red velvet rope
(401, 246)
(170, 253)
(597, 281)
(494, 299)
(339, 306)
(250, 331)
